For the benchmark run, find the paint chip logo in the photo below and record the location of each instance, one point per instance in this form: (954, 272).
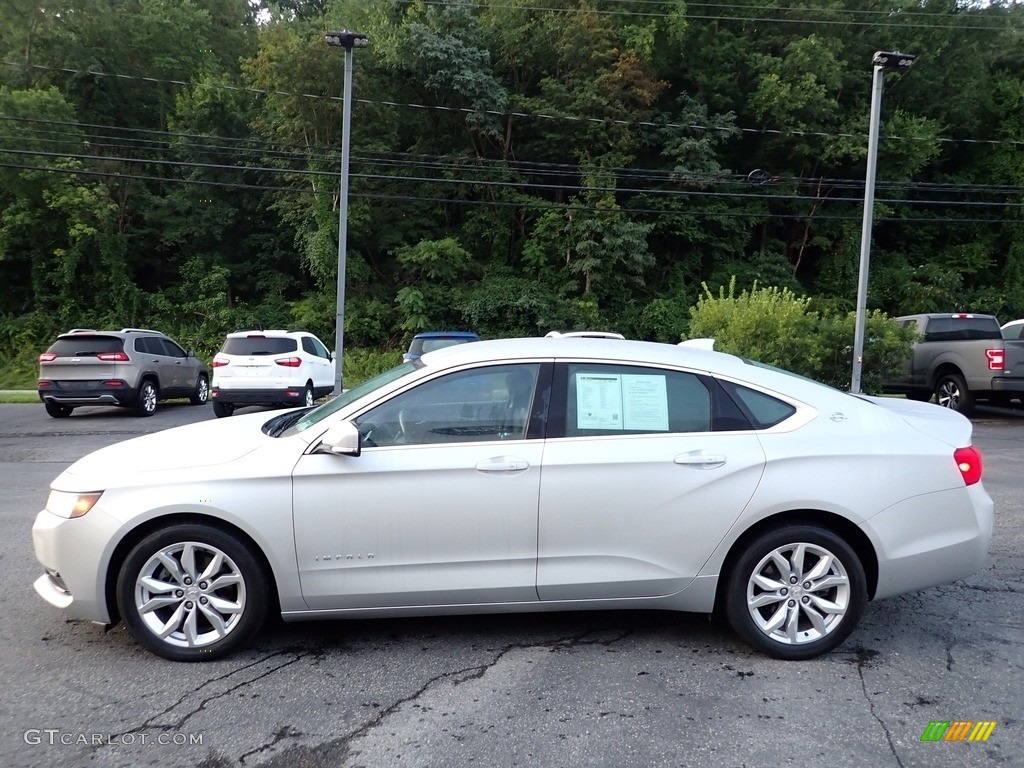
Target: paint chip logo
(958, 730)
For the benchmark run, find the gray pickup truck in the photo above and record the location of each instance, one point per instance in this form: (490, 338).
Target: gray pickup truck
(960, 358)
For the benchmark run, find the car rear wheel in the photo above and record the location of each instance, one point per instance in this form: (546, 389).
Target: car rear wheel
(222, 409)
(307, 396)
(951, 392)
(191, 593)
(202, 390)
(796, 592)
(146, 403)
(58, 411)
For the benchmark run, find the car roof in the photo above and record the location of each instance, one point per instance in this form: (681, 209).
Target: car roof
(583, 347)
(273, 332)
(447, 335)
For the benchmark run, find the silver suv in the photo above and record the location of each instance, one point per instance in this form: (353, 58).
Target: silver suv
(131, 368)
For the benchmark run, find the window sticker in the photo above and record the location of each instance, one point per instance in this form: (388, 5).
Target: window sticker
(598, 401)
(645, 401)
(621, 401)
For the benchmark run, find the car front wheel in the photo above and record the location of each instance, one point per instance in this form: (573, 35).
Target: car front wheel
(796, 592)
(202, 391)
(191, 592)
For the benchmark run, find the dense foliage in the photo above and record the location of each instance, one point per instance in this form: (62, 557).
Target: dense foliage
(515, 166)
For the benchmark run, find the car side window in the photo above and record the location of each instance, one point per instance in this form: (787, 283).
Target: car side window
(307, 346)
(621, 399)
(170, 348)
(320, 349)
(481, 404)
(764, 410)
(149, 345)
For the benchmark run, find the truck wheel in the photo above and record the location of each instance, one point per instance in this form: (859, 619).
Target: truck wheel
(951, 392)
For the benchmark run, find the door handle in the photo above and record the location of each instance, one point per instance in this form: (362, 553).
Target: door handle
(505, 464)
(700, 459)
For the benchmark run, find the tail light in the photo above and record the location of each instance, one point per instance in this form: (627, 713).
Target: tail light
(220, 362)
(996, 359)
(289, 362)
(113, 357)
(47, 357)
(968, 461)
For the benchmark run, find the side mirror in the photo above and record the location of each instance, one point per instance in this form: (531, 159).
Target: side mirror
(341, 439)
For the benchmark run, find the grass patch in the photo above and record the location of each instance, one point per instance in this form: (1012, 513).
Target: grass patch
(28, 396)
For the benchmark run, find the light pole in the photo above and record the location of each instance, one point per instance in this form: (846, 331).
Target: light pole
(883, 62)
(347, 40)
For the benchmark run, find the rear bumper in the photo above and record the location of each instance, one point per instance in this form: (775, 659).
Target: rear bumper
(287, 396)
(90, 394)
(1008, 384)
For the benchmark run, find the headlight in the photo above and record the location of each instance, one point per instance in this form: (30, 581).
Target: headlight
(69, 505)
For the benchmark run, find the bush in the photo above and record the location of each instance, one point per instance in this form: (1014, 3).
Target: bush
(775, 326)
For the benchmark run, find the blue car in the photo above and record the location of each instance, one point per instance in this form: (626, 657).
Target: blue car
(428, 341)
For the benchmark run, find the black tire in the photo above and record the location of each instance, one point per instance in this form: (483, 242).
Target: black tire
(951, 392)
(207, 621)
(308, 398)
(145, 404)
(221, 409)
(58, 411)
(201, 393)
(788, 623)
(921, 397)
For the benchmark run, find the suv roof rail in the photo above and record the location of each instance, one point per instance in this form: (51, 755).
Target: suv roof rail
(140, 330)
(82, 330)
(583, 335)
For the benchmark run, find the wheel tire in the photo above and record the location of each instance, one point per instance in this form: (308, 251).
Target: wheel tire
(179, 625)
(951, 392)
(58, 411)
(307, 396)
(222, 409)
(202, 391)
(919, 396)
(145, 405)
(762, 600)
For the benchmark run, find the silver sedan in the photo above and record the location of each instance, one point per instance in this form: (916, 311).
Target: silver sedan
(561, 473)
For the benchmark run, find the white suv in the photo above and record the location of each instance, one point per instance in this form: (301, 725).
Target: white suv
(270, 368)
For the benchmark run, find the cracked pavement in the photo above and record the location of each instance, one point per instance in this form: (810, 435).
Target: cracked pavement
(570, 689)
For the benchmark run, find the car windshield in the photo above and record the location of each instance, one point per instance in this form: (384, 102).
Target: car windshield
(256, 345)
(335, 404)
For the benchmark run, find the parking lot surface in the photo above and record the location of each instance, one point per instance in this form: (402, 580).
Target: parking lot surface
(582, 689)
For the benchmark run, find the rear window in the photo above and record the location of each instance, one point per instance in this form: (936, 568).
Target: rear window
(956, 328)
(85, 345)
(255, 346)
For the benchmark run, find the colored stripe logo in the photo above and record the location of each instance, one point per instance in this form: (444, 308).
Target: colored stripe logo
(958, 730)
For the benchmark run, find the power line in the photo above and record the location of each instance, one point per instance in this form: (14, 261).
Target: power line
(525, 115)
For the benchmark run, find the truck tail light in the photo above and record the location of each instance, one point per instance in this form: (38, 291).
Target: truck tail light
(996, 359)
(968, 461)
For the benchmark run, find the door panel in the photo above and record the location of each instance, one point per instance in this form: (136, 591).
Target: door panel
(650, 469)
(418, 525)
(441, 506)
(645, 513)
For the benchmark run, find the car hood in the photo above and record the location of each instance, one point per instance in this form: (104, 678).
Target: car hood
(205, 444)
(941, 423)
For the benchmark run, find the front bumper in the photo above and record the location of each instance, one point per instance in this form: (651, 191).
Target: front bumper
(75, 553)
